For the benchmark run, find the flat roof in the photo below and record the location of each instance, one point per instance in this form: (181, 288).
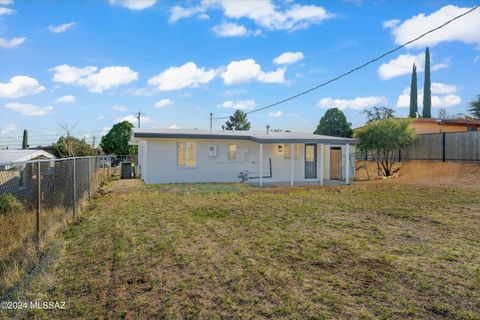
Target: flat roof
(450, 122)
(256, 136)
(9, 156)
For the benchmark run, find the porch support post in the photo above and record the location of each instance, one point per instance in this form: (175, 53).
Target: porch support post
(322, 160)
(292, 157)
(261, 165)
(347, 162)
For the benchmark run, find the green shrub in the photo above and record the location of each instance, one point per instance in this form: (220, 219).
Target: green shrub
(10, 204)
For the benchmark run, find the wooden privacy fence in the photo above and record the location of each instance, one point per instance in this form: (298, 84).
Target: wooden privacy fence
(444, 146)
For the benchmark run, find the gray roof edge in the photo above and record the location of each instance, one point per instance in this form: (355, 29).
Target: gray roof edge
(189, 135)
(243, 137)
(307, 140)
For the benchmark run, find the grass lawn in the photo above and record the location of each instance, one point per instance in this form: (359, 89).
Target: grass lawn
(233, 251)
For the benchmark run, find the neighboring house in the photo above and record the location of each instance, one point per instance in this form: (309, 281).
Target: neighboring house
(17, 176)
(9, 157)
(423, 125)
(187, 156)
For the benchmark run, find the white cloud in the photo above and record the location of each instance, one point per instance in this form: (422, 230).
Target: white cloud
(173, 126)
(248, 70)
(185, 76)
(275, 114)
(234, 92)
(402, 65)
(263, 12)
(9, 128)
(203, 16)
(4, 43)
(119, 107)
(66, 99)
(464, 30)
(439, 100)
(178, 12)
(443, 88)
(134, 4)
(288, 57)
(356, 104)
(106, 78)
(391, 23)
(100, 117)
(71, 75)
(5, 2)
(61, 28)
(6, 11)
(229, 29)
(20, 86)
(27, 109)
(162, 103)
(240, 104)
(133, 119)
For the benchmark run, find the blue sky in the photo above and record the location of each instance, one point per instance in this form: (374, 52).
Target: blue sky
(93, 63)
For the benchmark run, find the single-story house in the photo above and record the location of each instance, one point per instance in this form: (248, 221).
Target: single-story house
(9, 157)
(424, 125)
(17, 176)
(188, 156)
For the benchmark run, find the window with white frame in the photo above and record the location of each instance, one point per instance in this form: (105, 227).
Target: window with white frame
(232, 151)
(288, 151)
(186, 154)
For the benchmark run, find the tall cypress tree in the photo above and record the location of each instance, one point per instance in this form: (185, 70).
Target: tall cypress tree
(427, 92)
(413, 94)
(25, 139)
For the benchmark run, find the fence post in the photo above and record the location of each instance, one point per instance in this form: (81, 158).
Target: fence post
(443, 147)
(89, 179)
(38, 204)
(74, 189)
(399, 155)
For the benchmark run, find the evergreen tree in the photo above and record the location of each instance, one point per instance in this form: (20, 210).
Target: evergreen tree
(334, 123)
(475, 108)
(413, 94)
(25, 139)
(427, 92)
(116, 140)
(237, 121)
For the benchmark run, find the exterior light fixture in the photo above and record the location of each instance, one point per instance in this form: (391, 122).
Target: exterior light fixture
(280, 148)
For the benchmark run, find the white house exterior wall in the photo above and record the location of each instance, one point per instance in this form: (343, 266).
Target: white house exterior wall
(158, 162)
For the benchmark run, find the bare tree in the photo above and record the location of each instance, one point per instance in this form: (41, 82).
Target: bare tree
(69, 143)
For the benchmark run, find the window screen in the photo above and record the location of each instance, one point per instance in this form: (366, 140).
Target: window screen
(232, 151)
(186, 154)
(288, 153)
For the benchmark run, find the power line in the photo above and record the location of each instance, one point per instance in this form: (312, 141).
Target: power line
(359, 67)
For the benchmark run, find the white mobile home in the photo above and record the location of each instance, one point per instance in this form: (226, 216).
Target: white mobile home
(188, 156)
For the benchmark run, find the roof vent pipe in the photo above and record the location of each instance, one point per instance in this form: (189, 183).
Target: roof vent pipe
(268, 129)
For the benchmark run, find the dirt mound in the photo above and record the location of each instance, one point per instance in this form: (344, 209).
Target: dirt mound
(427, 173)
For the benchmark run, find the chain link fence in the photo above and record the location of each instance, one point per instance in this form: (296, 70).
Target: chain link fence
(38, 199)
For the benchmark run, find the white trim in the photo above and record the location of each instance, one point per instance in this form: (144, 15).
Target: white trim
(261, 165)
(347, 164)
(292, 157)
(322, 160)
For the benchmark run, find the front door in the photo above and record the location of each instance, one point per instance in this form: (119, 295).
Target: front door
(310, 161)
(335, 163)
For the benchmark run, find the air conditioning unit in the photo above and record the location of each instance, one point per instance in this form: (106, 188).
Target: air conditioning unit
(212, 150)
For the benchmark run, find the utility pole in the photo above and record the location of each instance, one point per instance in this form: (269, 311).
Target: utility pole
(138, 118)
(211, 114)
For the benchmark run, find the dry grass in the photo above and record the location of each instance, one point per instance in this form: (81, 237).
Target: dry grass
(233, 251)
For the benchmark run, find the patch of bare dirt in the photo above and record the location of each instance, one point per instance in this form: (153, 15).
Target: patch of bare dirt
(426, 173)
